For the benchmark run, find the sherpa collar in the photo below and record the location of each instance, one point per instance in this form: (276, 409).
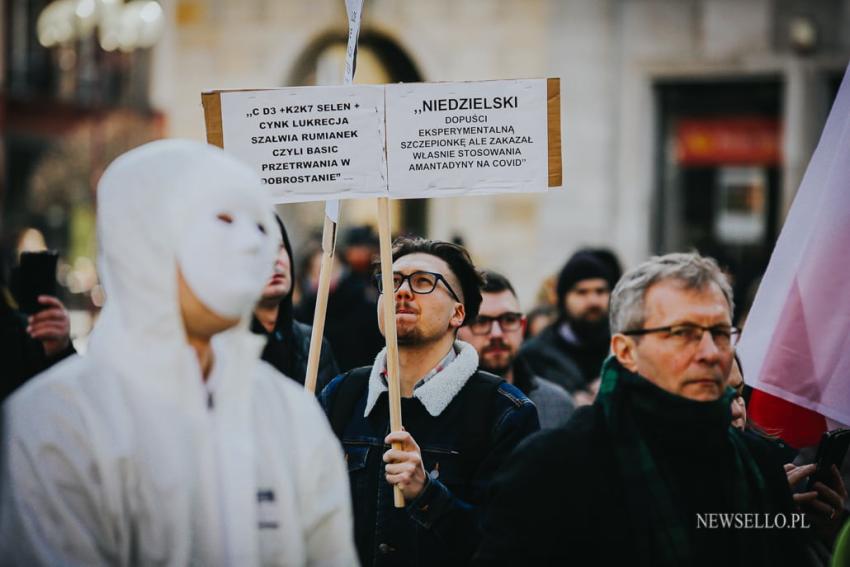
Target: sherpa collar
(438, 392)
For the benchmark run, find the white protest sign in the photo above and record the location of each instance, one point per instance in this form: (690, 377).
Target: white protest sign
(310, 143)
(442, 139)
(473, 138)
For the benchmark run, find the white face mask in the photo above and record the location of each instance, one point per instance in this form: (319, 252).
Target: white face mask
(226, 257)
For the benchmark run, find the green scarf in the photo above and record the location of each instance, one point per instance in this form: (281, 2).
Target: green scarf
(649, 500)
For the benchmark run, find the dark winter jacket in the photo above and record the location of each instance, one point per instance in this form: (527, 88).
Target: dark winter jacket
(568, 365)
(21, 356)
(290, 358)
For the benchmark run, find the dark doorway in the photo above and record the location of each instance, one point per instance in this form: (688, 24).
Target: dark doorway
(719, 167)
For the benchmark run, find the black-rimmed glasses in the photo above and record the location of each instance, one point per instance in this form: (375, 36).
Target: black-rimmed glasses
(724, 336)
(484, 324)
(421, 282)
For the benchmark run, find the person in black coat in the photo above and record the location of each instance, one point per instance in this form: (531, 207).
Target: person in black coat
(351, 326)
(570, 351)
(30, 344)
(288, 340)
(651, 473)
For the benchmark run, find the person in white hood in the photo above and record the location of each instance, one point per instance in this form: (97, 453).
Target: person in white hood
(170, 442)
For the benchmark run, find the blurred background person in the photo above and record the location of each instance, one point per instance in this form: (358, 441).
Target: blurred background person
(570, 351)
(825, 503)
(30, 342)
(538, 319)
(351, 326)
(288, 343)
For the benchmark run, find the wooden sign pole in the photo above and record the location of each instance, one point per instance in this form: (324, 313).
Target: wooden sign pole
(354, 9)
(314, 355)
(393, 369)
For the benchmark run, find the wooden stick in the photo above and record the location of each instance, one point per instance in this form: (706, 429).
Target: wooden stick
(328, 245)
(393, 370)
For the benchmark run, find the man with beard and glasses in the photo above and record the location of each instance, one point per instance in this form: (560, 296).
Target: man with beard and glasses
(571, 350)
(460, 423)
(497, 335)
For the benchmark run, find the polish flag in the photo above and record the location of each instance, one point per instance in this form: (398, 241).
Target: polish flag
(795, 349)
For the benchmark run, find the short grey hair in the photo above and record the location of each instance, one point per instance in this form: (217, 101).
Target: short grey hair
(695, 272)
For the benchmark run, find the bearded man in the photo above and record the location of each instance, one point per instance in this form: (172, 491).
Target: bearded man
(570, 351)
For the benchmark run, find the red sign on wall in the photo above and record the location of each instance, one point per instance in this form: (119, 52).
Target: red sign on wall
(724, 141)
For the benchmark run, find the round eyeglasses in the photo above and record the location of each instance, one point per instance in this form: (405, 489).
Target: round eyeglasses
(420, 282)
(484, 324)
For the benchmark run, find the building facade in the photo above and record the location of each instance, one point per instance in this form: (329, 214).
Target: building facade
(686, 123)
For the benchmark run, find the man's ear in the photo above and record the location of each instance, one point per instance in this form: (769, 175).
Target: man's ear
(458, 316)
(625, 349)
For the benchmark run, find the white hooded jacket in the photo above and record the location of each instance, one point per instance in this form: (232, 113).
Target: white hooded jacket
(124, 456)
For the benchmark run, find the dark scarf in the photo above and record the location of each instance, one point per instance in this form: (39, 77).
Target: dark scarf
(649, 501)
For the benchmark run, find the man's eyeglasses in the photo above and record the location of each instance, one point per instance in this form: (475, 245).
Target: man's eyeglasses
(724, 336)
(484, 324)
(420, 283)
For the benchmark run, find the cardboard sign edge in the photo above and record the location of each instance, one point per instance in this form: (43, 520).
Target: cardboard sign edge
(211, 101)
(553, 121)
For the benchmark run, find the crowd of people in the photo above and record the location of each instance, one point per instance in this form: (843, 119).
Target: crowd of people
(612, 432)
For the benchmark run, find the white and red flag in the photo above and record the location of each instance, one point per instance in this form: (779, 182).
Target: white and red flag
(795, 349)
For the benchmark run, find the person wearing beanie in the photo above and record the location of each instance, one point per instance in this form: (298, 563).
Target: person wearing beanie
(570, 351)
(288, 340)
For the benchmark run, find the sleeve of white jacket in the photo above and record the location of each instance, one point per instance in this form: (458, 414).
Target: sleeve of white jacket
(329, 536)
(49, 512)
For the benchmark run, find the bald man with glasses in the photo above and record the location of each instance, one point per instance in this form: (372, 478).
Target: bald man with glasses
(460, 422)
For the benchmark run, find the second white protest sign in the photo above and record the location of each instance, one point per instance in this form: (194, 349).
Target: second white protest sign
(469, 138)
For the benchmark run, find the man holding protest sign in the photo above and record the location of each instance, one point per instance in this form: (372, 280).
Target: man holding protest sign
(460, 423)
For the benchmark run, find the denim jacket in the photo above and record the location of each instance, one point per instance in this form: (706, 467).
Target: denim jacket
(441, 526)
